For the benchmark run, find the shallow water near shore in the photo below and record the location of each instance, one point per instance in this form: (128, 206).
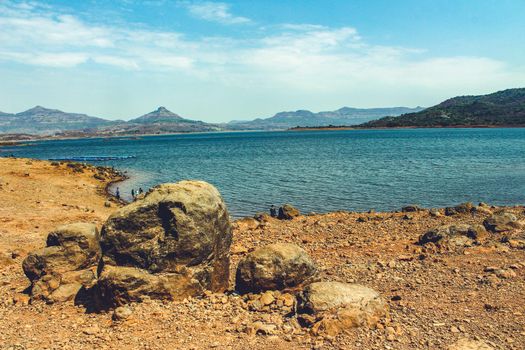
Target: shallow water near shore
(320, 171)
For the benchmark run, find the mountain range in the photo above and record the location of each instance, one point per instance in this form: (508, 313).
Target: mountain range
(44, 121)
(40, 120)
(304, 118)
(502, 108)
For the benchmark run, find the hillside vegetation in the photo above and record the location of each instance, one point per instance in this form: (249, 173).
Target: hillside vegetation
(503, 108)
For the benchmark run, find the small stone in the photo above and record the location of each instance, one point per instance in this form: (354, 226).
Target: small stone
(267, 298)
(21, 299)
(121, 313)
(91, 330)
(288, 299)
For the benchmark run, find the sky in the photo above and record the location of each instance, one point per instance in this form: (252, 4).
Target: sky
(244, 59)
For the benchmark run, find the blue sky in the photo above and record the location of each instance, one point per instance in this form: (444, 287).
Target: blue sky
(218, 61)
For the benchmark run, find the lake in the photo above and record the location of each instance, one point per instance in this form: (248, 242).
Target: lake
(320, 171)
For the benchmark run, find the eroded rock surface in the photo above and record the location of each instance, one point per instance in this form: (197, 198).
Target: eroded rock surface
(68, 263)
(274, 267)
(171, 244)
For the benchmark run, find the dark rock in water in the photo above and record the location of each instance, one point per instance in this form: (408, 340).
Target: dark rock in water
(274, 267)
(288, 212)
(454, 235)
(411, 208)
(67, 264)
(462, 208)
(332, 307)
(173, 243)
(502, 221)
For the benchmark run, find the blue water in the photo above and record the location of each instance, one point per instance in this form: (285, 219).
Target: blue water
(321, 171)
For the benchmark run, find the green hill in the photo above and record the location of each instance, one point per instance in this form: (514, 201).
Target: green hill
(502, 108)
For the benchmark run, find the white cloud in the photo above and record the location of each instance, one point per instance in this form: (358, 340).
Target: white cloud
(49, 59)
(289, 59)
(120, 62)
(213, 11)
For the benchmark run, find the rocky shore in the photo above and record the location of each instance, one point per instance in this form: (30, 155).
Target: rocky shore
(448, 278)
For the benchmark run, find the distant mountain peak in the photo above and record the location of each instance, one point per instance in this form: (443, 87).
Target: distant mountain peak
(160, 115)
(39, 109)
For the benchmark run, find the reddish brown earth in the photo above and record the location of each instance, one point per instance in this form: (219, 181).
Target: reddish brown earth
(435, 298)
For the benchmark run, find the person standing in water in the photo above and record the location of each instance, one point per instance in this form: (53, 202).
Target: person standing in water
(117, 193)
(133, 193)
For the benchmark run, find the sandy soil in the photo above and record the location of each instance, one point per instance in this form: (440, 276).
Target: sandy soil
(435, 298)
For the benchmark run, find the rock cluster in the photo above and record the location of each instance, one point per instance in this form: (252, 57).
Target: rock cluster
(175, 243)
(325, 307)
(172, 244)
(68, 263)
(451, 236)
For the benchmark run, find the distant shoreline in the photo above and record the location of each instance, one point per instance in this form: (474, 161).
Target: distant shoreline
(335, 128)
(25, 141)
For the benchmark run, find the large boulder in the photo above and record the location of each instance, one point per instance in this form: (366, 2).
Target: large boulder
(274, 267)
(172, 243)
(454, 235)
(68, 263)
(502, 221)
(288, 212)
(330, 307)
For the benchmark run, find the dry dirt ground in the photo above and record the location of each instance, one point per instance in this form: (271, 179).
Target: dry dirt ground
(435, 298)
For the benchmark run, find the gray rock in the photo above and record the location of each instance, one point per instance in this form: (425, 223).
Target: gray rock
(502, 221)
(456, 235)
(274, 267)
(176, 240)
(335, 306)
